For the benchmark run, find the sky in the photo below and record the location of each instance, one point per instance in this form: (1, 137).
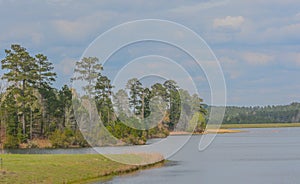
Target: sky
(256, 42)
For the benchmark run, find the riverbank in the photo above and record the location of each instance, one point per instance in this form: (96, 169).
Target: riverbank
(260, 125)
(227, 128)
(208, 131)
(69, 168)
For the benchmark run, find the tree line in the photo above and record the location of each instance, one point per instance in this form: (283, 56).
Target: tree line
(126, 113)
(262, 114)
(32, 108)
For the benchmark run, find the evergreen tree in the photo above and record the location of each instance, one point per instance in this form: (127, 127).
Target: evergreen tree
(22, 74)
(103, 98)
(88, 70)
(173, 97)
(135, 93)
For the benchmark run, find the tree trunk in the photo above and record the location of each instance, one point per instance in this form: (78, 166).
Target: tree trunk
(23, 108)
(30, 124)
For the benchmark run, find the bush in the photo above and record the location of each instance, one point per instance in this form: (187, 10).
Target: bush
(59, 139)
(197, 124)
(80, 140)
(11, 142)
(67, 138)
(32, 144)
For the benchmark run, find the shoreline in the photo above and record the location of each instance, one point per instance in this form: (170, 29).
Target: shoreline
(260, 125)
(237, 128)
(209, 131)
(132, 171)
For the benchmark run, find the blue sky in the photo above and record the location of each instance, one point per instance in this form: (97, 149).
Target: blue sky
(257, 42)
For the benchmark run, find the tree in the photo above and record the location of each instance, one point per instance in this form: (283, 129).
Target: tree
(26, 74)
(88, 70)
(173, 97)
(121, 104)
(22, 74)
(44, 71)
(65, 105)
(135, 92)
(146, 97)
(45, 78)
(103, 98)
(3, 86)
(197, 124)
(159, 90)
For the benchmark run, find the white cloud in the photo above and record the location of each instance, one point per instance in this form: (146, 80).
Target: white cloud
(59, 2)
(231, 67)
(284, 33)
(80, 28)
(229, 21)
(198, 7)
(253, 33)
(255, 58)
(31, 33)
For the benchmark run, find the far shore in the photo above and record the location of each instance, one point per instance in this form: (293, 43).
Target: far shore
(260, 125)
(209, 131)
(237, 128)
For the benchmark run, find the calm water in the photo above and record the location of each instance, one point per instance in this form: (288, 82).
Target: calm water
(269, 155)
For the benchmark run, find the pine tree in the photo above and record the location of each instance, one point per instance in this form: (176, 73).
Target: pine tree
(22, 74)
(88, 70)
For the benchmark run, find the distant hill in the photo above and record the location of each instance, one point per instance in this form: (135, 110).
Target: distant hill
(262, 114)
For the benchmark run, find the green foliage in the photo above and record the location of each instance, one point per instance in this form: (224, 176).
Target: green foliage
(79, 140)
(11, 142)
(197, 124)
(59, 139)
(174, 99)
(31, 108)
(267, 114)
(67, 138)
(87, 70)
(102, 97)
(135, 91)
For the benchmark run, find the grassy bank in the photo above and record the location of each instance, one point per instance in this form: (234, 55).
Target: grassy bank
(77, 168)
(260, 125)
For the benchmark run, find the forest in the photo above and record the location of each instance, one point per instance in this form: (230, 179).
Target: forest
(262, 114)
(32, 108)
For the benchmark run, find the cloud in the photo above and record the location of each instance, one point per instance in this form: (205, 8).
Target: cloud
(32, 33)
(82, 27)
(59, 2)
(285, 33)
(292, 58)
(255, 58)
(198, 7)
(253, 35)
(231, 67)
(233, 22)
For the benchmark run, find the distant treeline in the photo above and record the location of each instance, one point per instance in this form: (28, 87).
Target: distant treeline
(262, 114)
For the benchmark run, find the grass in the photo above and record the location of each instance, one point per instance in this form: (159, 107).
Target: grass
(77, 168)
(261, 125)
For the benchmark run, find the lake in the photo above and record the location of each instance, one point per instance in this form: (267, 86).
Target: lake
(267, 155)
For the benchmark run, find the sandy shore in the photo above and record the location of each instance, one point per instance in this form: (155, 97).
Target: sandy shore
(208, 131)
